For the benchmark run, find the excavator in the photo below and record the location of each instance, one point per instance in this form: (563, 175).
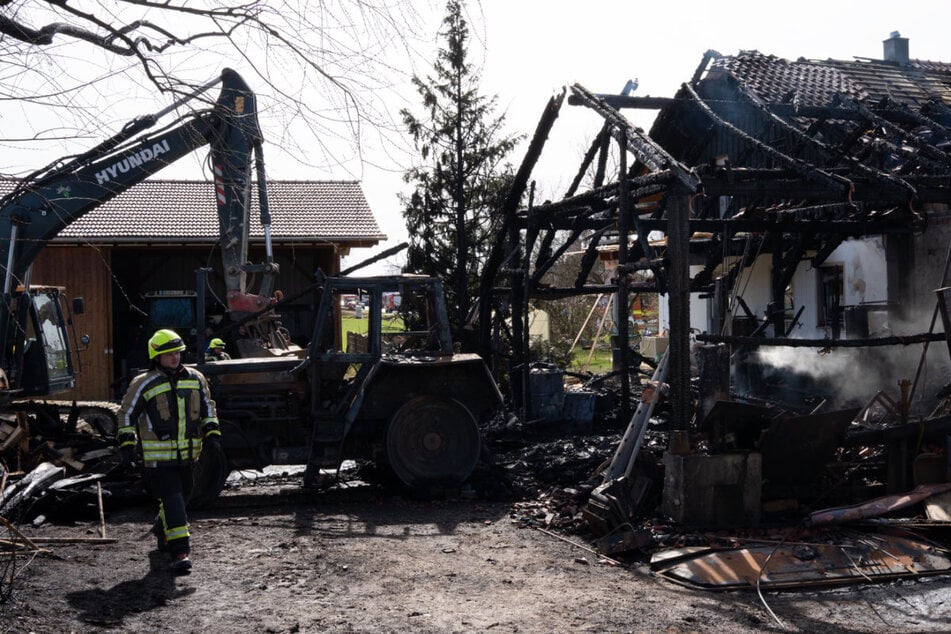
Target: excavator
(405, 398)
(36, 354)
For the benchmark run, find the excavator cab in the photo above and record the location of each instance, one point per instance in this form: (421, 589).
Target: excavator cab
(41, 351)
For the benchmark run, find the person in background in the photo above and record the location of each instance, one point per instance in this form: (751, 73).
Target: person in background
(216, 350)
(166, 415)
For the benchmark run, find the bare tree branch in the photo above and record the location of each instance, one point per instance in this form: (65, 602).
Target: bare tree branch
(323, 67)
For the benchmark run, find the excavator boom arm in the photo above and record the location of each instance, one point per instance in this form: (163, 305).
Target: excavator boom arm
(42, 205)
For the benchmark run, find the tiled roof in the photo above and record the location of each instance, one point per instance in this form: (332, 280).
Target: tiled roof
(815, 83)
(183, 211)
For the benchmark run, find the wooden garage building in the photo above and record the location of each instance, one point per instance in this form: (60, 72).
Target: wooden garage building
(151, 240)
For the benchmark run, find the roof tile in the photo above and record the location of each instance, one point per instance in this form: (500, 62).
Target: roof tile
(815, 82)
(185, 211)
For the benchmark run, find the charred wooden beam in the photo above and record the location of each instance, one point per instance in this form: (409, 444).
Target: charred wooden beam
(678, 279)
(544, 254)
(838, 227)
(776, 307)
(649, 153)
(795, 320)
(931, 153)
(787, 184)
(627, 214)
(846, 227)
(834, 211)
(380, 256)
(709, 55)
(560, 292)
(898, 340)
(626, 101)
(783, 109)
(622, 298)
(543, 267)
(810, 172)
(597, 145)
(714, 257)
(924, 189)
(508, 212)
(604, 148)
(532, 230)
(825, 251)
(602, 201)
(791, 259)
(831, 155)
(746, 259)
(589, 201)
(891, 109)
(746, 309)
(589, 258)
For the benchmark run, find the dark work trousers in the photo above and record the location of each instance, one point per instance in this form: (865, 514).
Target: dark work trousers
(171, 485)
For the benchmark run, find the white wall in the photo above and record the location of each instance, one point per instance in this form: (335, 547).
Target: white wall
(753, 286)
(699, 309)
(865, 281)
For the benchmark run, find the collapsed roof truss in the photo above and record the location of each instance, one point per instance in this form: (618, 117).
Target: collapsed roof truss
(797, 178)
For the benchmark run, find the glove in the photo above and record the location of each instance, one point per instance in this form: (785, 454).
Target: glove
(127, 455)
(213, 442)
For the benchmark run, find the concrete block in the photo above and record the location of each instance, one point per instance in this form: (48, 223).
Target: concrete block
(718, 490)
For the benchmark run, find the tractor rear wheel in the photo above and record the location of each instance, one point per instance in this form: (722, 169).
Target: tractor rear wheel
(432, 440)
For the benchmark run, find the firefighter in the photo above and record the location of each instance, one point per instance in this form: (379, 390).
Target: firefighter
(216, 350)
(166, 415)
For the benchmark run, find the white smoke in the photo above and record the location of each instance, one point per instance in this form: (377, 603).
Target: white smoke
(855, 375)
(808, 361)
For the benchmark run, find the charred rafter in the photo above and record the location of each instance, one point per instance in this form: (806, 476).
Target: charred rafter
(787, 179)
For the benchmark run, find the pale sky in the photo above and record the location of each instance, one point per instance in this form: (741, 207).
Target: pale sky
(532, 48)
(527, 50)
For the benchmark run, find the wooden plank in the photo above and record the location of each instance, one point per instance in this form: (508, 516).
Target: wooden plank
(85, 273)
(13, 529)
(102, 515)
(74, 540)
(12, 437)
(938, 507)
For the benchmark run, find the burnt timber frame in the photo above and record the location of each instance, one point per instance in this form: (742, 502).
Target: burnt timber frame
(793, 206)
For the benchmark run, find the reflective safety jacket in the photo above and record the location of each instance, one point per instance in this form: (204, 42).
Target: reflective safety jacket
(167, 413)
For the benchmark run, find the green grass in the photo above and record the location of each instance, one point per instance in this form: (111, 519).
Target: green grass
(352, 324)
(600, 360)
(362, 326)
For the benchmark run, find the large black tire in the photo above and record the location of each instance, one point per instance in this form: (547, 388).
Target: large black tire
(432, 440)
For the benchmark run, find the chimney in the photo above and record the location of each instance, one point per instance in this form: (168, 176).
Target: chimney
(896, 49)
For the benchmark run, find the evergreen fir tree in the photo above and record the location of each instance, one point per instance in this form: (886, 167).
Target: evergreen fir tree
(462, 174)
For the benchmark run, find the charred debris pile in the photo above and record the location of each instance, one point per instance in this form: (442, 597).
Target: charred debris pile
(52, 461)
(774, 205)
(828, 485)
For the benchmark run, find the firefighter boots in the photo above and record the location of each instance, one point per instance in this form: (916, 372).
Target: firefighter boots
(181, 564)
